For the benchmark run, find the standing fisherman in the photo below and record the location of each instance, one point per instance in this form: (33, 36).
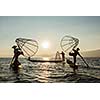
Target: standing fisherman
(74, 54)
(57, 57)
(73, 64)
(63, 56)
(15, 63)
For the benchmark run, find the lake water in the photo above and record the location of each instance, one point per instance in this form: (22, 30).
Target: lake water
(32, 72)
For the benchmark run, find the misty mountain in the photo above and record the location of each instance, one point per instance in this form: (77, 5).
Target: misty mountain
(93, 53)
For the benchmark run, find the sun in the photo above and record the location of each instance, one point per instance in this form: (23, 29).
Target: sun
(45, 44)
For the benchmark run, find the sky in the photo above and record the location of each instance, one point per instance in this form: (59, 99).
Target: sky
(50, 29)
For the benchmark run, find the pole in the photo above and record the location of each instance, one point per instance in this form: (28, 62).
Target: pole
(84, 61)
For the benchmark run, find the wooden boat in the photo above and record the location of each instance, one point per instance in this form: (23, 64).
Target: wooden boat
(43, 61)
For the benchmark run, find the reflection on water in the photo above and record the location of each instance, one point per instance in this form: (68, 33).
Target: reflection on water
(45, 58)
(46, 72)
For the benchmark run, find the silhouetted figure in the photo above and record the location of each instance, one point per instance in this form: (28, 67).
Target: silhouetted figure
(73, 64)
(15, 63)
(63, 56)
(57, 57)
(74, 54)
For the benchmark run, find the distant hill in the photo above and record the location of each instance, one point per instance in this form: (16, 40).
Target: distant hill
(94, 53)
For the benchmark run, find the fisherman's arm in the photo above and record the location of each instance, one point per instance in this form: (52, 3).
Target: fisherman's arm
(73, 49)
(21, 52)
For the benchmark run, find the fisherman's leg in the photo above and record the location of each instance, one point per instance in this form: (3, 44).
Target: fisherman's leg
(74, 70)
(74, 60)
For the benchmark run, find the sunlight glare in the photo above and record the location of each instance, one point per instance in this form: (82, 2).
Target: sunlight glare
(45, 44)
(45, 58)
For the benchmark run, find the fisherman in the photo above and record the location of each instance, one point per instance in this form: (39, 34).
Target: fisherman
(63, 56)
(57, 57)
(15, 63)
(73, 64)
(74, 54)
